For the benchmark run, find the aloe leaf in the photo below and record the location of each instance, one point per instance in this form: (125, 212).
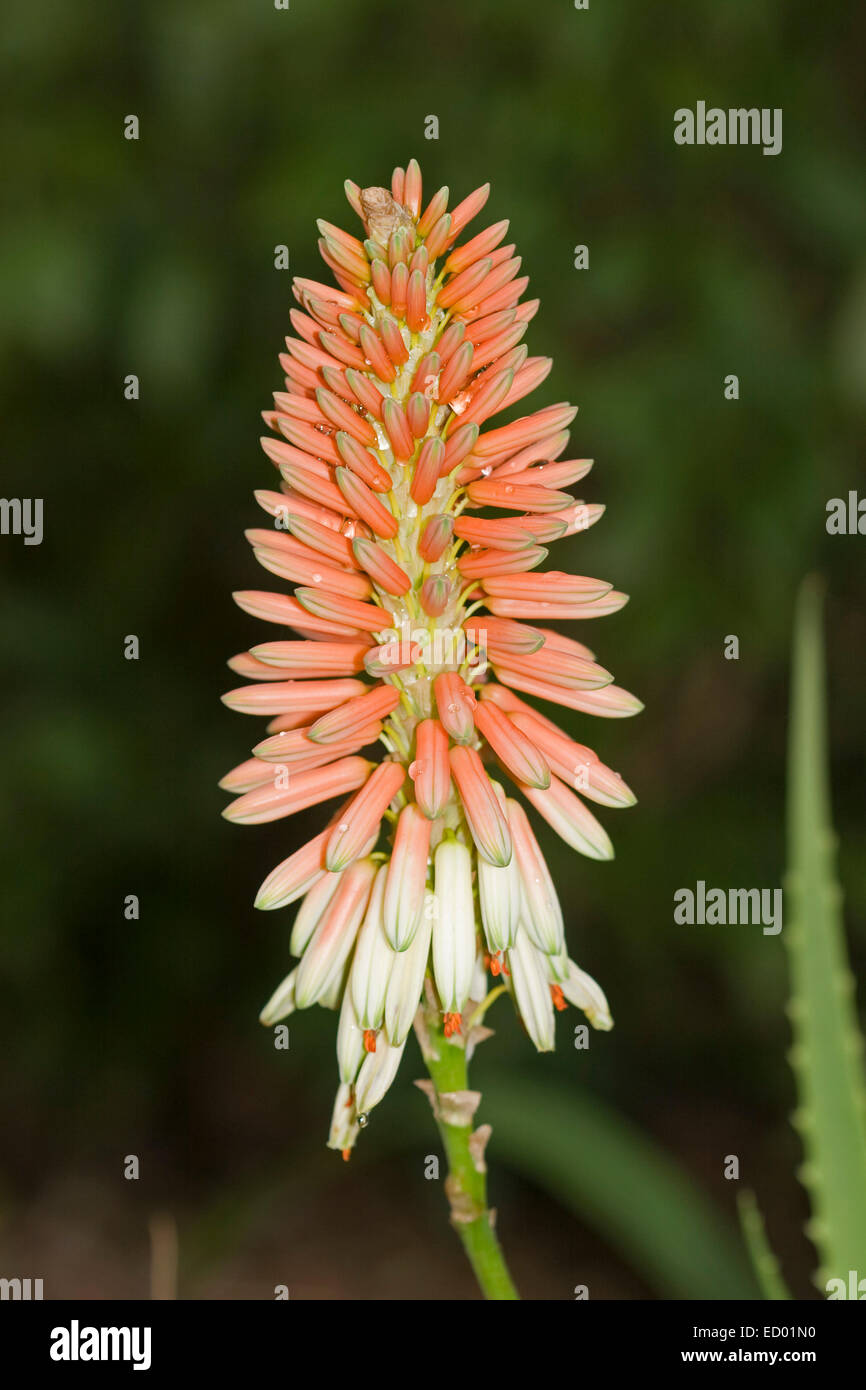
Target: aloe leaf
(764, 1261)
(826, 1055)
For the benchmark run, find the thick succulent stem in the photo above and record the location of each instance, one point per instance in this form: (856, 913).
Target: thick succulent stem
(827, 1053)
(454, 1107)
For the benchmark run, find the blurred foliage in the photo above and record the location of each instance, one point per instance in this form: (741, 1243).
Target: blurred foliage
(606, 1172)
(764, 1262)
(156, 257)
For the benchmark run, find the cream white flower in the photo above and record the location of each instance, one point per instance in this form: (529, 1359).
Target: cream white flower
(372, 962)
(531, 983)
(407, 977)
(499, 898)
(350, 1041)
(541, 914)
(453, 929)
(378, 1070)
(344, 1122)
(584, 993)
(281, 1002)
(407, 877)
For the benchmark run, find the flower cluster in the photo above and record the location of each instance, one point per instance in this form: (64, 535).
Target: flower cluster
(417, 618)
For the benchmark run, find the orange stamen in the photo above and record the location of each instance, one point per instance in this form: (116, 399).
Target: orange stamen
(453, 1024)
(558, 998)
(369, 1040)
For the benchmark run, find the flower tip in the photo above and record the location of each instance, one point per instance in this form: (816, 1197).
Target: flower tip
(598, 845)
(581, 990)
(281, 1002)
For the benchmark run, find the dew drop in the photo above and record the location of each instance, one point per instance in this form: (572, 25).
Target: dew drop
(344, 826)
(363, 1121)
(416, 768)
(317, 578)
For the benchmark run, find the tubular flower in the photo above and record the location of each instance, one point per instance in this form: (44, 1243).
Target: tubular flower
(411, 527)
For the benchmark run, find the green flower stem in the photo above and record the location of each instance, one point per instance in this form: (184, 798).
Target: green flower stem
(466, 1186)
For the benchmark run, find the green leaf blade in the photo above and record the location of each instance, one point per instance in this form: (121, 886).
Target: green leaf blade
(622, 1184)
(826, 1055)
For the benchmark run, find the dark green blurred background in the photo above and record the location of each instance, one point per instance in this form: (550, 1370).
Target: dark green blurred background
(156, 258)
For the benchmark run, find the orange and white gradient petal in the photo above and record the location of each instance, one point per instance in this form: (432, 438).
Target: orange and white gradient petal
(414, 626)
